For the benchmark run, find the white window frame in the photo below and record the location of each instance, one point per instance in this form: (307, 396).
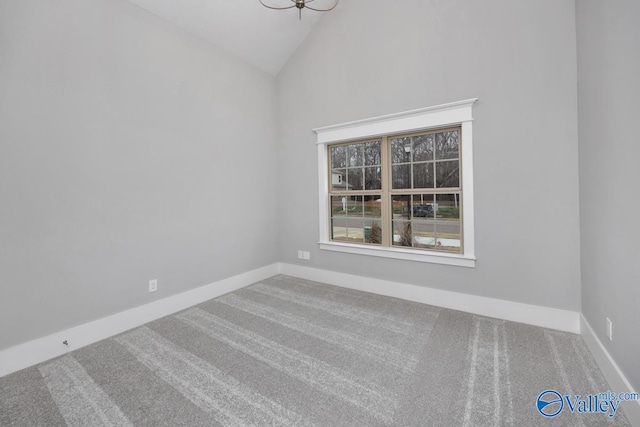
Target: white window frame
(454, 113)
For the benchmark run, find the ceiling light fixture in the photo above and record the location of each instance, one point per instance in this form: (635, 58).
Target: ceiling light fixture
(301, 4)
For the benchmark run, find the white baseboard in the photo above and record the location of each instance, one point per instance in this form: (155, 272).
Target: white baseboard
(553, 318)
(33, 352)
(612, 373)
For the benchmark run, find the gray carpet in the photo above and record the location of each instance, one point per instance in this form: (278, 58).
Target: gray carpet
(289, 352)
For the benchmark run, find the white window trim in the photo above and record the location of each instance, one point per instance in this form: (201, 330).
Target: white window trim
(454, 113)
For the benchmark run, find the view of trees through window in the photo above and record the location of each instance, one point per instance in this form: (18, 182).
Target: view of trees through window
(398, 191)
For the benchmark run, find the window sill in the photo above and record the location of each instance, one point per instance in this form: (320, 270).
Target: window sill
(399, 253)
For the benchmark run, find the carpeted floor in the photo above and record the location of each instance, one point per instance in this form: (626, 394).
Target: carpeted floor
(289, 352)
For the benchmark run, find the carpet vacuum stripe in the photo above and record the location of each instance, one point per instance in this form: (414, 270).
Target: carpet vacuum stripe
(233, 403)
(488, 394)
(80, 400)
(338, 309)
(313, 372)
(378, 351)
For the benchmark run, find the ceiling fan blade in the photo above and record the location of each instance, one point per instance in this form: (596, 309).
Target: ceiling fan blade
(323, 10)
(276, 8)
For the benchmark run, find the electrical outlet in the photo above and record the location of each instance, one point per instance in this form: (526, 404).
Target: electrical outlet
(300, 254)
(153, 285)
(609, 329)
(306, 255)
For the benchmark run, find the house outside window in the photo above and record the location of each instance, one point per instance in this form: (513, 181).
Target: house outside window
(400, 186)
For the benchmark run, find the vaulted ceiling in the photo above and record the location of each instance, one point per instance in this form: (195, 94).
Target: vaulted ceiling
(260, 36)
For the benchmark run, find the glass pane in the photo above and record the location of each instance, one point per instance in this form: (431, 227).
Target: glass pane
(422, 206)
(355, 230)
(448, 223)
(401, 150)
(424, 234)
(423, 148)
(423, 175)
(372, 178)
(402, 234)
(347, 230)
(373, 231)
(448, 206)
(355, 206)
(448, 174)
(339, 218)
(373, 219)
(355, 179)
(372, 153)
(339, 229)
(356, 155)
(400, 207)
(338, 157)
(338, 206)
(423, 220)
(447, 145)
(401, 176)
(373, 206)
(338, 179)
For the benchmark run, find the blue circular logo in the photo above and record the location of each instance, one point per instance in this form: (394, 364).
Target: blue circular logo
(550, 403)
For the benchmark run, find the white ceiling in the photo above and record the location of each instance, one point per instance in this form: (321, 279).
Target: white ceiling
(262, 37)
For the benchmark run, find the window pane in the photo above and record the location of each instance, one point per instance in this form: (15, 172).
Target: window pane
(448, 223)
(373, 231)
(354, 206)
(372, 178)
(372, 153)
(338, 179)
(373, 206)
(447, 145)
(448, 174)
(422, 206)
(423, 175)
(401, 176)
(448, 206)
(401, 150)
(339, 209)
(355, 230)
(423, 148)
(347, 229)
(339, 229)
(401, 213)
(338, 206)
(423, 220)
(338, 157)
(400, 206)
(356, 155)
(373, 219)
(355, 179)
(402, 235)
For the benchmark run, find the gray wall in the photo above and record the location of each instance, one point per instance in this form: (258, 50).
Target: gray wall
(608, 94)
(371, 57)
(123, 149)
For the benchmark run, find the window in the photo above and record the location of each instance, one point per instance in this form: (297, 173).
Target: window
(400, 186)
